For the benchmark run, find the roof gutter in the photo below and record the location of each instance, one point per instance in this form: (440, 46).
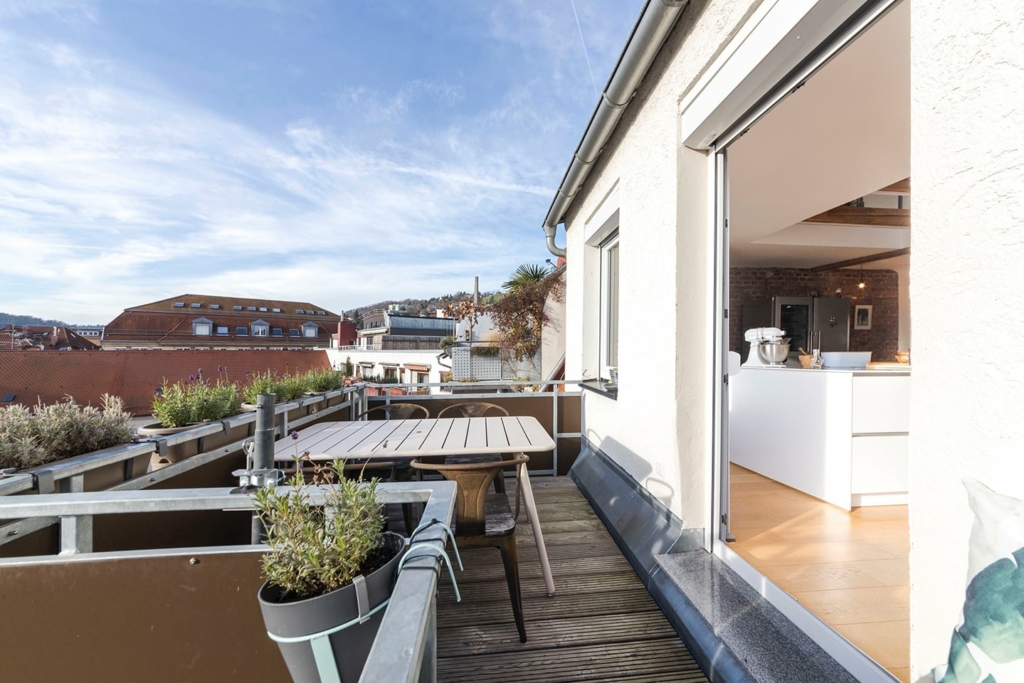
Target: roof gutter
(652, 27)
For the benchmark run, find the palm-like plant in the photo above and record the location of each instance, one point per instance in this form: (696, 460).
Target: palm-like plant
(525, 275)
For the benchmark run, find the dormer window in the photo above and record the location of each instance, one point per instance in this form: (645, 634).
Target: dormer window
(179, 304)
(277, 310)
(251, 308)
(215, 306)
(309, 312)
(309, 330)
(278, 332)
(321, 312)
(260, 329)
(293, 332)
(196, 305)
(202, 327)
(236, 308)
(263, 309)
(299, 311)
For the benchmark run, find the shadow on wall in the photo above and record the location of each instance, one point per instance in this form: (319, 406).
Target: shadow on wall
(635, 466)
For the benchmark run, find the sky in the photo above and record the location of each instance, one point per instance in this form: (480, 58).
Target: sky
(340, 152)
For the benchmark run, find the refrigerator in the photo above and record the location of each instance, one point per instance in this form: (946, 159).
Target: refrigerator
(802, 317)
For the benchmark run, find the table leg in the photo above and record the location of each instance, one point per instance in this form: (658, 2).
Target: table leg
(531, 511)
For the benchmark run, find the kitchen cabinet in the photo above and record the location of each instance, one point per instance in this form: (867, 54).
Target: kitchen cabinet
(837, 435)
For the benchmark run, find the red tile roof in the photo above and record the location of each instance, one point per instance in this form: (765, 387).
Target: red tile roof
(134, 375)
(161, 323)
(42, 338)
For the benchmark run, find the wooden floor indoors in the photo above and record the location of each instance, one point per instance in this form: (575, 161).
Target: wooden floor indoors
(601, 625)
(849, 569)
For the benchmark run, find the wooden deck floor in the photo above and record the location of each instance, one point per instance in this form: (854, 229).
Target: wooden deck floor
(602, 624)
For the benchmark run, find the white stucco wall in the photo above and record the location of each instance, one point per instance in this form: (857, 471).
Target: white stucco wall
(401, 357)
(967, 275)
(658, 428)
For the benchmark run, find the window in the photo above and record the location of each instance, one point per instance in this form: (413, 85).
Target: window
(236, 308)
(299, 311)
(215, 306)
(609, 305)
(309, 312)
(263, 309)
(260, 329)
(309, 330)
(179, 304)
(241, 332)
(250, 308)
(391, 373)
(278, 332)
(293, 332)
(201, 327)
(277, 310)
(321, 312)
(222, 331)
(196, 305)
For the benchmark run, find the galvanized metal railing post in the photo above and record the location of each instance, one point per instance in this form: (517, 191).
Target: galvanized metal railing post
(263, 450)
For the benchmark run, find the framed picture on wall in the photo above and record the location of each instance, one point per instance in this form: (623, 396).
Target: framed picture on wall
(862, 318)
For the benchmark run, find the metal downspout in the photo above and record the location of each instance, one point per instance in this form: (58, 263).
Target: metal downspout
(652, 27)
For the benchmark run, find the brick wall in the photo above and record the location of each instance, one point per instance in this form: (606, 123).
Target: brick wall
(881, 292)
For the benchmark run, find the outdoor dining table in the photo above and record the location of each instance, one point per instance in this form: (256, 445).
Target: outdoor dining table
(415, 438)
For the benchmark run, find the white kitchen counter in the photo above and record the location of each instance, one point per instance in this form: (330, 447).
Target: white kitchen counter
(838, 435)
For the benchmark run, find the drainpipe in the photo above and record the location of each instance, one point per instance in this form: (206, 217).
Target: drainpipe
(652, 27)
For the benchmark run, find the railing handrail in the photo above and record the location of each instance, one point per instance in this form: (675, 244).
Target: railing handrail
(406, 641)
(67, 468)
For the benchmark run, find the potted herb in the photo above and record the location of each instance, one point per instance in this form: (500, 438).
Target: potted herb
(35, 436)
(183, 405)
(314, 555)
(261, 383)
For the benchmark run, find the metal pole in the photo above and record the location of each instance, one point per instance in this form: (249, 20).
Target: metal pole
(263, 450)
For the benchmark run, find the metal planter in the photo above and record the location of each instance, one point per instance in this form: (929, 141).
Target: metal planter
(350, 646)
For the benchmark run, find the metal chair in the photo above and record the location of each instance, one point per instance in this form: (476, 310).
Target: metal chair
(476, 409)
(486, 520)
(397, 411)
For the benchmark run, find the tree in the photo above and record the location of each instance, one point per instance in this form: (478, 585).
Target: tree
(526, 275)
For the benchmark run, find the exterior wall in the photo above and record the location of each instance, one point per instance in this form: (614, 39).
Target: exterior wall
(882, 293)
(657, 430)
(338, 357)
(966, 279)
(134, 375)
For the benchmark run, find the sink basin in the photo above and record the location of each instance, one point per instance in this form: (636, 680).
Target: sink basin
(846, 360)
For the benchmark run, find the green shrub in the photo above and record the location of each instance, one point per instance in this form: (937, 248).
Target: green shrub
(194, 401)
(263, 383)
(293, 386)
(314, 549)
(322, 380)
(42, 434)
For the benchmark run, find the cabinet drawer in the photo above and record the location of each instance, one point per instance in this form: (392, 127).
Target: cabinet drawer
(880, 464)
(881, 404)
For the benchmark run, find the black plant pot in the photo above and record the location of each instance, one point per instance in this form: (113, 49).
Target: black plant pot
(351, 646)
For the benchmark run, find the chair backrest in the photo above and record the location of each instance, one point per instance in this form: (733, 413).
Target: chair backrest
(397, 411)
(473, 480)
(477, 409)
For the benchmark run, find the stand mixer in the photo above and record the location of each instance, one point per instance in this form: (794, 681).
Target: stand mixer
(768, 346)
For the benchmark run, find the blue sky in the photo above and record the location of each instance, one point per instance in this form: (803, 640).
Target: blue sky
(341, 152)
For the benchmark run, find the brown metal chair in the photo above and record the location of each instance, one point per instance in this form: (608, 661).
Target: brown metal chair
(397, 411)
(485, 520)
(476, 409)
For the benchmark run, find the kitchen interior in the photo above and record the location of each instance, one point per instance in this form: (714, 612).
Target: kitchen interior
(819, 338)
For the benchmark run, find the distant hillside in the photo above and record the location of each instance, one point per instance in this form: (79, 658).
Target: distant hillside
(427, 307)
(29, 320)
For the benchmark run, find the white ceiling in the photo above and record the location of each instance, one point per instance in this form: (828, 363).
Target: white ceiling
(843, 135)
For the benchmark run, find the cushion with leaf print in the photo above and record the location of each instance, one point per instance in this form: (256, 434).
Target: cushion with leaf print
(988, 645)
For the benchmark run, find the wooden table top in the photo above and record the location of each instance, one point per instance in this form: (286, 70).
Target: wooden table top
(415, 438)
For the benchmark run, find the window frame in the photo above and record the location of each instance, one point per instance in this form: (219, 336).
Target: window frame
(609, 306)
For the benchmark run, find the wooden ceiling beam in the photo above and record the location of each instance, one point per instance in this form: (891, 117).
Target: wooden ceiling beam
(864, 215)
(899, 187)
(862, 260)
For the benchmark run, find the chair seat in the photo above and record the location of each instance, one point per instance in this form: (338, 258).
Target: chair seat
(500, 520)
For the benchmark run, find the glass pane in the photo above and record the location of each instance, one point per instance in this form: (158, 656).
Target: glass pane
(612, 331)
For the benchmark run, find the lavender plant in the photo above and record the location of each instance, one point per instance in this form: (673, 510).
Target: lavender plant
(316, 549)
(194, 401)
(321, 380)
(42, 434)
(263, 383)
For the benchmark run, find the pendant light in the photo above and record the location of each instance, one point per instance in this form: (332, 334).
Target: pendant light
(861, 285)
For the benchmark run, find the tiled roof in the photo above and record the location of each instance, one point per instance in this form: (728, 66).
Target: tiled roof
(134, 375)
(176, 327)
(42, 337)
(227, 302)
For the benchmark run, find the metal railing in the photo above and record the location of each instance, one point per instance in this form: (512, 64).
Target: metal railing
(405, 647)
(68, 475)
(507, 389)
